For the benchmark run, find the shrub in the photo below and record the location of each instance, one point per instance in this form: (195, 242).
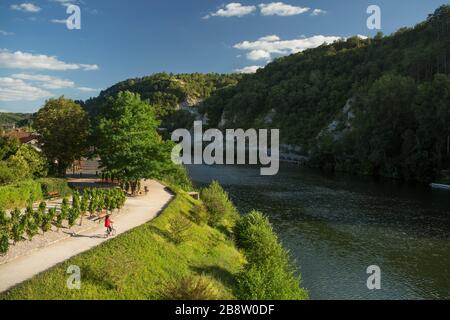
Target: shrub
(73, 215)
(47, 219)
(4, 220)
(269, 273)
(191, 288)
(221, 209)
(31, 226)
(76, 200)
(178, 227)
(4, 242)
(18, 224)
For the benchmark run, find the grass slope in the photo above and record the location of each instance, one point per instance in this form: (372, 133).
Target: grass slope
(139, 263)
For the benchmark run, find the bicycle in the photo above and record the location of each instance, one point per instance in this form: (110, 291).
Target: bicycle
(111, 232)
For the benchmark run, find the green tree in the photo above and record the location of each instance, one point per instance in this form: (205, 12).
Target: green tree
(128, 142)
(63, 126)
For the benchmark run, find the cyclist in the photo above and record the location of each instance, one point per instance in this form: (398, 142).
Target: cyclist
(108, 225)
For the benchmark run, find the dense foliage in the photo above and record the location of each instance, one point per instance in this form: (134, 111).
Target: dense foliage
(64, 127)
(166, 92)
(19, 161)
(17, 119)
(128, 143)
(303, 94)
(269, 273)
(221, 210)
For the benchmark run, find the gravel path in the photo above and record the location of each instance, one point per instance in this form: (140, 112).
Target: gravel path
(136, 211)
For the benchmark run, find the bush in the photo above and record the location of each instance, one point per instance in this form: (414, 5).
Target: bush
(221, 209)
(18, 194)
(178, 227)
(31, 225)
(269, 273)
(4, 220)
(47, 219)
(4, 242)
(73, 215)
(191, 288)
(18, 224)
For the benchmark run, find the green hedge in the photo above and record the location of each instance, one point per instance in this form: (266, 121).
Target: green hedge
(18, 194)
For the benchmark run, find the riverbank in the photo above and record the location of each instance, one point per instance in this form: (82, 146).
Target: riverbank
(336, 225)
(142, 262)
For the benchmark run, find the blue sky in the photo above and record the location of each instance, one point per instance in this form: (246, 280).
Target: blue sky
(41, 58)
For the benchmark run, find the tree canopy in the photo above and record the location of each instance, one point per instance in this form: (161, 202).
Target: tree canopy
(63, 127)
(128, 142)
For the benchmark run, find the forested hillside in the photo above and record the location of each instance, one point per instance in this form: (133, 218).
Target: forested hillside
(376, 106)
(166, 92)
(19, 119)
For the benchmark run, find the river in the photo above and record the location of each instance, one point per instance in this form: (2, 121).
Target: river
(335, 226)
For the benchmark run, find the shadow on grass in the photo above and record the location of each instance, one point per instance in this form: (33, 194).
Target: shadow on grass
(98, 278)
(219, 273)
(163, 233)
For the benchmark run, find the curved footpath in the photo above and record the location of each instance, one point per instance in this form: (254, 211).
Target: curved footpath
(136, 212)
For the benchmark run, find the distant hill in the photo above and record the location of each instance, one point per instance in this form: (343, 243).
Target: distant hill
(168, 92)
(18, 119)
(376, 106)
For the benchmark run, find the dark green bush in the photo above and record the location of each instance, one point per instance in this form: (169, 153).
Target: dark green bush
(269, 273)
(221, 210)
(4, 242)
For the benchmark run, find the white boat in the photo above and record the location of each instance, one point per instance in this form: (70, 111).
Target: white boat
(440, 186)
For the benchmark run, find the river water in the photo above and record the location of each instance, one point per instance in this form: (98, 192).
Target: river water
(336, 226)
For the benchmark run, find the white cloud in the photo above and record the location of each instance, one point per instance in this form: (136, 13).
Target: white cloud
(249, 69)
(17, 90)
(270, 38)
(281, 9)
(232, 10)
(317, 12)
(46, 81)
(6, 33)
(59, 21)
(258, 55)
(26, 7)
(86, 89)
(274, 45)
(25, 60)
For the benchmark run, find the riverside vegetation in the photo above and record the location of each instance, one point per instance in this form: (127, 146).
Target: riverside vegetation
(192, 250)
(210, 257)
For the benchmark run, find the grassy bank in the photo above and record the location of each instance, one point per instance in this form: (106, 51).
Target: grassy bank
(193, 250)
(18, 194)
(145, 263)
